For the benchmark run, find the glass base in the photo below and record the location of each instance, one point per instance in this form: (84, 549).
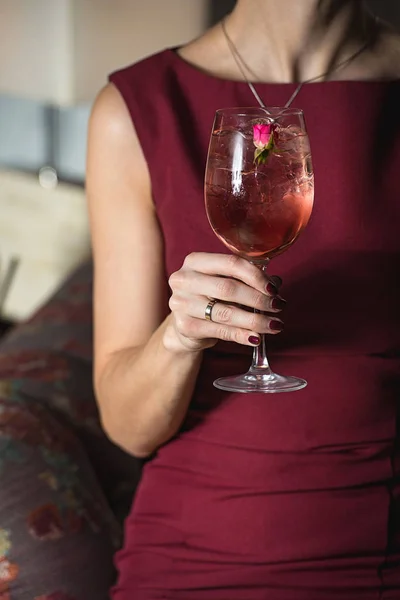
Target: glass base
(265, 383)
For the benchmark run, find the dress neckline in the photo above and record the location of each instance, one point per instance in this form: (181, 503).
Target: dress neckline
(184, 65)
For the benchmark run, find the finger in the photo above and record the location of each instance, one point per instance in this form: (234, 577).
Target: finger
(233, 316)
(230, 314)
(232, 291)
(232, 266)
(276, 280)
(226, 314)
(199, 329)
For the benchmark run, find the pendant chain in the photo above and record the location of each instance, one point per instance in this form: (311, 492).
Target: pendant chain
(242, 65)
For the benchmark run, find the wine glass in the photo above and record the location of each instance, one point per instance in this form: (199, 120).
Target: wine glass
(259, 192)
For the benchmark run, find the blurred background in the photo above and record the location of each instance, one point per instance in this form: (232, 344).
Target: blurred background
(55, 56)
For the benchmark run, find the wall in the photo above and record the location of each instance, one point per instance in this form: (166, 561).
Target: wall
(112, 33)
(62, 50)
(35, 48)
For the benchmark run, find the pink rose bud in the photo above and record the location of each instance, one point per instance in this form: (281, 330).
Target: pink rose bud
(262, 135)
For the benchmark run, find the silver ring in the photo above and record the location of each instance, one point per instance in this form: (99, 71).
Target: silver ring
(208, 310)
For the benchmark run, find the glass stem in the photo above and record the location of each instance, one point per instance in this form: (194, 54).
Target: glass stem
(260, 362)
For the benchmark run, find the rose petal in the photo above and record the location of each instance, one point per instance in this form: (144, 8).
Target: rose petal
(256, 133)
(262, 134)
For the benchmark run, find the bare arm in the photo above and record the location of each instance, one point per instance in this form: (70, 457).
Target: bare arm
(147, 358)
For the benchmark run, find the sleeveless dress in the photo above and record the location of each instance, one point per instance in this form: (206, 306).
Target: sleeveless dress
(293, 496)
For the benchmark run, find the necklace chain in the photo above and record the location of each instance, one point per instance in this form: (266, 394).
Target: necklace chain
(241, 66)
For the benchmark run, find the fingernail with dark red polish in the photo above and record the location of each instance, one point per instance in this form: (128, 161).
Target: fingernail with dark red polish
(254, 340)
(276, 325)
(278, 303)
(271, 289)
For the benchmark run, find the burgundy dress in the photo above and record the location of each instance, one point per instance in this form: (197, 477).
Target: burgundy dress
(294, 496)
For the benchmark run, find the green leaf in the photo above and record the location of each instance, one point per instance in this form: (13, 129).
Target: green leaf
(261, 154)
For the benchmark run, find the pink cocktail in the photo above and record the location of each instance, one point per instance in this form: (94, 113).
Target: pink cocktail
(259, 192)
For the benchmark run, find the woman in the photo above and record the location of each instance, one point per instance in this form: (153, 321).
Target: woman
(251, 496)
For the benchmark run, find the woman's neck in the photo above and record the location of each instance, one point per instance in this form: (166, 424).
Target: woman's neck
(294, 40)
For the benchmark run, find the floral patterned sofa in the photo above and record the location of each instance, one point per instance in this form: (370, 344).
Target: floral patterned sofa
(64, 488)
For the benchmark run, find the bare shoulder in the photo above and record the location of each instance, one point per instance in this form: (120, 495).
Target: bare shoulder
(201, 48)
(109, 112)
(113, 142)
(208, 53)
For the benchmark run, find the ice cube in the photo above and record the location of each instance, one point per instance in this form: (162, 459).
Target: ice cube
(291, 139)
